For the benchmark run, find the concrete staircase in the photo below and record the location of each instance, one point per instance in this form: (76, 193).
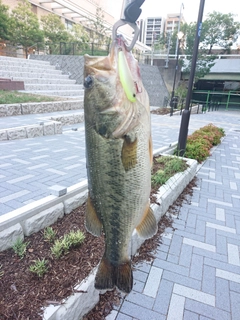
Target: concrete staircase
(40, 78)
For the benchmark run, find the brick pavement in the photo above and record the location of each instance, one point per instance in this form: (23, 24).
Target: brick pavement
(29, 167)
(196, 272)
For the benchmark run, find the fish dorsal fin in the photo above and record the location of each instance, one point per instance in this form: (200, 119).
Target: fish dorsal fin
(148, 226)
(92, 222)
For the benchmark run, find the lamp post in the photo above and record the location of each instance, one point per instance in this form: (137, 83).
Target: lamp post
(179, 36)
(179, 24)
(182, 139)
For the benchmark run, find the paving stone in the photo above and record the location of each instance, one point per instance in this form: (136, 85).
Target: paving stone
(188, 315)
(206, 310)
(235, 305)
(139, 312)
(163, 298)
(222, 294)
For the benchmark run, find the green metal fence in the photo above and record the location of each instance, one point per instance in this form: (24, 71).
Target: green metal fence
(220, 99)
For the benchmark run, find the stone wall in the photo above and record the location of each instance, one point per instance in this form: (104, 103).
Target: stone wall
(73, 66)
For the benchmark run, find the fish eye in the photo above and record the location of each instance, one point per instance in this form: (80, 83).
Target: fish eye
(88, 82)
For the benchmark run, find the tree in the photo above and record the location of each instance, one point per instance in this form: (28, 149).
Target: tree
(4, 22)
(79, 34)
(99, 34)
(204, 62)
(24, 26)
(220, 30)
(54, 30)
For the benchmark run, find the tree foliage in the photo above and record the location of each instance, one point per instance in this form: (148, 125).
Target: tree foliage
(4, 22)
(24, 26)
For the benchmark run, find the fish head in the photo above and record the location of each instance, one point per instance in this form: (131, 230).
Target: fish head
(111, 91)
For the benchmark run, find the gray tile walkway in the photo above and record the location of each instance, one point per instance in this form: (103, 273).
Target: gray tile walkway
(29, 167)
(196, 274)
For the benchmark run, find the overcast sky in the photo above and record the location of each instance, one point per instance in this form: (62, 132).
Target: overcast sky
(153, 8)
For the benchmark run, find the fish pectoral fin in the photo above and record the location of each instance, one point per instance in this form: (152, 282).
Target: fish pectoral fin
(129, 153)
(92, 222)
(109, 276)
(148, 226)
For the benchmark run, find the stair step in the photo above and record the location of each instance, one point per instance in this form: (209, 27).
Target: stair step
(51, 87)
(32, 69)
(45, 80)
(31, 75)
(58, 93)
(22, 60)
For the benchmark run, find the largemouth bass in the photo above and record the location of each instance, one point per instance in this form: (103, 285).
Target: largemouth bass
(118, 157)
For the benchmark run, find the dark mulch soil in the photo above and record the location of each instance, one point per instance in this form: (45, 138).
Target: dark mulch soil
(161, 111)
(22, 294)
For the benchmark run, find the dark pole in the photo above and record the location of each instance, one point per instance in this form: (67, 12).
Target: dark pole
(174, 81)
(182, 139)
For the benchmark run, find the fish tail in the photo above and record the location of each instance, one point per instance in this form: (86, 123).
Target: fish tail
(109, 276)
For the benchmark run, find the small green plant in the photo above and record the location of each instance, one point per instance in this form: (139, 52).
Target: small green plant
(171, 165)
(39, 267)
(1, 272)
(49, 234)
(20, 247)
(62, 246)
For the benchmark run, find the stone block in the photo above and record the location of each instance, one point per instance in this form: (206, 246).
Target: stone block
(43, 219)
(13, 109)
(3, 110)
(37, 108)
(3, 135)
(17, 133)
(74, 202)
(10, 235)
(47, 107)
(26, 108)
(58, 190)
(58, 127)
(79, 118)
(66, 106)
(48, 129)
(34, 131)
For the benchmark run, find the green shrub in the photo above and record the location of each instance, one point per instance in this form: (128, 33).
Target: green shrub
(201, 141)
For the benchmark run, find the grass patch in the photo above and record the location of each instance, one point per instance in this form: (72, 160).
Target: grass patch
(10, 97)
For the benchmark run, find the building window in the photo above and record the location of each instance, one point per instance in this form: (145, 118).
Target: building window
(68, 24)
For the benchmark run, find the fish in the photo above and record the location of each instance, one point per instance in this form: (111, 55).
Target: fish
(118, 160)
